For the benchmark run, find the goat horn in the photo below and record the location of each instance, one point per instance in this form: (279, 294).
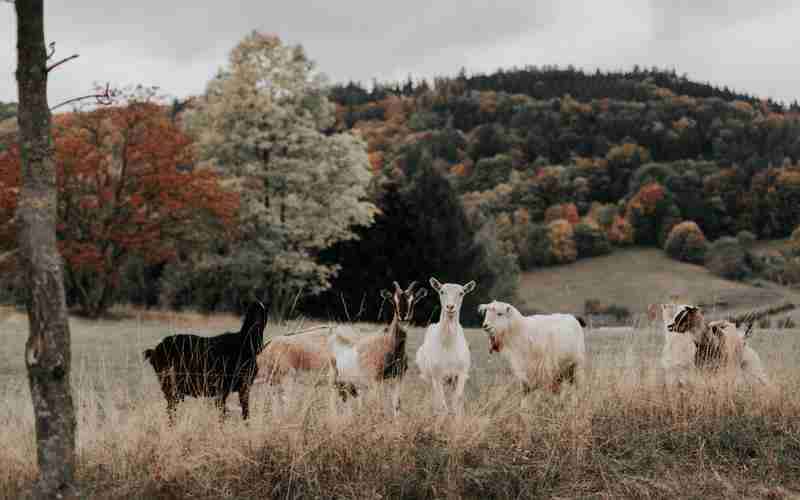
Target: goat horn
(411, 286)
(397, 286)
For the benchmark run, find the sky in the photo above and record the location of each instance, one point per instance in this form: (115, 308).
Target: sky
(178, 45)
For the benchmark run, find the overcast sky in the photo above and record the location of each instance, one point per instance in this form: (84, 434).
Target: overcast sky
(178, 44)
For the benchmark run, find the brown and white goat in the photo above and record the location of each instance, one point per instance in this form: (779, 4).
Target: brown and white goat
(370, 360)
(719, 345)
(287, 357)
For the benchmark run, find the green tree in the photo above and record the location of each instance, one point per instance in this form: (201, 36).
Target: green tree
(265, 121)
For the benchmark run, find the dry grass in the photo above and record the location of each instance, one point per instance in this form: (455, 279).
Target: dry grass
(619, 436)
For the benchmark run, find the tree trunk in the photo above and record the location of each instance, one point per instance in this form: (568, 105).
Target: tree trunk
(47, 352)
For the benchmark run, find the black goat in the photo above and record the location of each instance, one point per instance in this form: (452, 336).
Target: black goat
(190, 365)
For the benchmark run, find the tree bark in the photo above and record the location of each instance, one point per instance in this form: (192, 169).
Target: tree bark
(47, 352)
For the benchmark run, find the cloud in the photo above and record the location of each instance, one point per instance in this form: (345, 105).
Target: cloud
(180, 44)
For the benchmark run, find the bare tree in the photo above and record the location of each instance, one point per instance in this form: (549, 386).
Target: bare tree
(47, 352)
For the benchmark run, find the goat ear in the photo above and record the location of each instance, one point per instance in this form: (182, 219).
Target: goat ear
(469, 287)
(435, 284)
(482, 308)
(386, 294)
(508, 309)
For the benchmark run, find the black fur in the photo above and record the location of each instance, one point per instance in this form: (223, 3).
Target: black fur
(190, 365)
(581, 321)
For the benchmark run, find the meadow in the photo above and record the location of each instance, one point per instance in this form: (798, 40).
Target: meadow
(618, 436)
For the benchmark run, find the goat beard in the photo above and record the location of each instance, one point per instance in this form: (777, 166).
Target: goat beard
(494, 344)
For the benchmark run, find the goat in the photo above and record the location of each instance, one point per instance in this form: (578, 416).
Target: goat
(287, 356)
(543, 349)
(444, 355)
(720, 346)
(191, 365)
(375, 358)
(677, 355)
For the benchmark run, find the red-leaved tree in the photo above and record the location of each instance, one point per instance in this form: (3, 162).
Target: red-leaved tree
(128, 186)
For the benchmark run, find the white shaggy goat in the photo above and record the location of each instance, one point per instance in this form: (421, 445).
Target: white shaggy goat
(370, 360)
(544, 349)
(719, 345)
(444, 354)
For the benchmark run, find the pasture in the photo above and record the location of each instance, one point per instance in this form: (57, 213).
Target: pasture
(619, 436)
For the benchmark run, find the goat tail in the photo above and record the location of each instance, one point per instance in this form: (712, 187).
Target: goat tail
(581, 321)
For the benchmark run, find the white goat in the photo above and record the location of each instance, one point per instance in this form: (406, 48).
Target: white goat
(380, 357)
(544, 350)
(444, 354)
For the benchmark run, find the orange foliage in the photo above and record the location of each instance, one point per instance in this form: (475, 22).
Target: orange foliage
(620, 232)
(562, 241)
(459, 170)
(646, 200)
(376, 161)
(566, 211)
(126, 185)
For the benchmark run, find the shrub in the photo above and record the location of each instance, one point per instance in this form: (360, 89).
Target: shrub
(562, 241)
(621, 232)
(590, 240)
(728, 259)
(687, 243)
(746, 239)
(537, 251)
(794, 241)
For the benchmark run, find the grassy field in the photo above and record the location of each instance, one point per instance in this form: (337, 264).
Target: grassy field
(619, 436)
(637, 277)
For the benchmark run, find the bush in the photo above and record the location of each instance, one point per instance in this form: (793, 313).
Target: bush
(537, 251)
(728, 259)
(746, 239)
(687, 243)
(562, 241)
(590, 240)
(794, 242)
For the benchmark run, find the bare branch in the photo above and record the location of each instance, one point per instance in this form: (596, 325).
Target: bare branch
(104, 98)
(59, 63)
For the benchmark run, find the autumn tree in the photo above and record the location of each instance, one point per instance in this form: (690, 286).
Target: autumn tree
(687, 243)
(128, 188)
(266, 123)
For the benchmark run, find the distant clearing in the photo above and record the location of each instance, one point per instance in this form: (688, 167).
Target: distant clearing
(636, 277)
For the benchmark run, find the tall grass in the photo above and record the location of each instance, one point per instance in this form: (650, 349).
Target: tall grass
(618, 436)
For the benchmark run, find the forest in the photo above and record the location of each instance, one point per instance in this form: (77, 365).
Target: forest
(320, 195)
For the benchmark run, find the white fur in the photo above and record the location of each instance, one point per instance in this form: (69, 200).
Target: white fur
(444, 351)
(677, 355)
(540, 348)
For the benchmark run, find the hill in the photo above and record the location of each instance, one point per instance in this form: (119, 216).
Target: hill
(634, 278)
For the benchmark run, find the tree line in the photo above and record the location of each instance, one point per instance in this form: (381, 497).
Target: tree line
(318, 196)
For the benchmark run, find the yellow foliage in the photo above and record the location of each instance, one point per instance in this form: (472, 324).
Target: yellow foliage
(562, 241)
(743, 106)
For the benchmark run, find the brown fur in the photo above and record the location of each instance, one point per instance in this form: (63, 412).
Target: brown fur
(720, 347)
(302, 353)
